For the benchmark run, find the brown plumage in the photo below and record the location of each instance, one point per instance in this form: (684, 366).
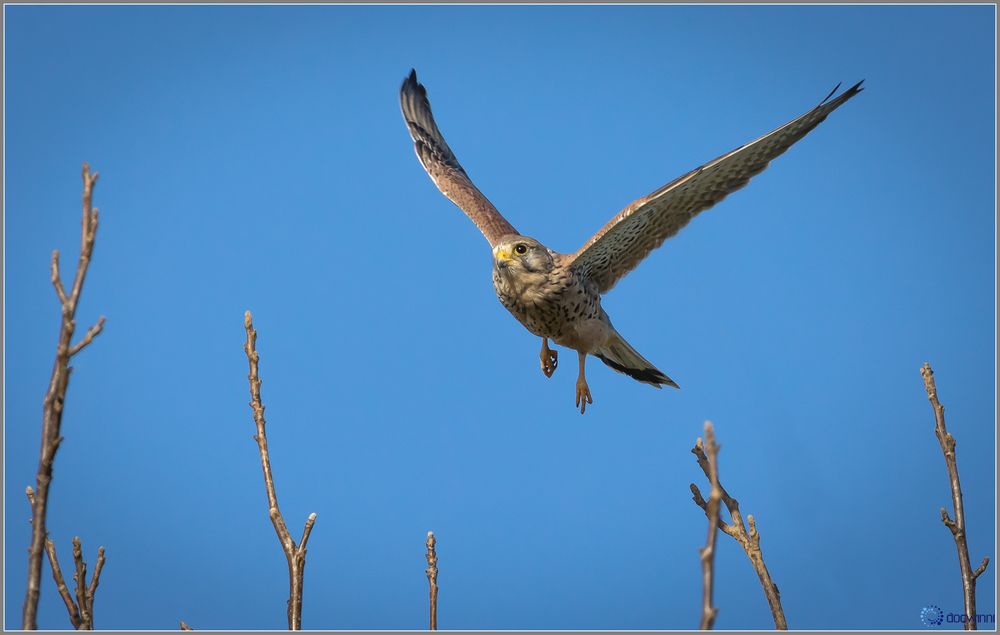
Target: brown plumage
(557, 296)
(442, 166)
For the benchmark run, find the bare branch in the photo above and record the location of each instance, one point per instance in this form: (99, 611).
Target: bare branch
(749, 541)
(306, 531)
(94, 581)
(88, 224)
(55, 396)
(56, 280)
(80, 609)
(957, 526)
(294, 554)
(948, 522)
(432, 576)
(81, 584)
(698, 499)
(981, 569)
(709, 612)
(92, 332)
(57, 575)
(754, 536)
(700, 502)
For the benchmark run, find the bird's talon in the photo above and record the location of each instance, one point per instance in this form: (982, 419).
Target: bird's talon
(550, 361)
(583, 396)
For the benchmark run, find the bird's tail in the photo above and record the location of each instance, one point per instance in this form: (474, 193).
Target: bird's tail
(619, 354)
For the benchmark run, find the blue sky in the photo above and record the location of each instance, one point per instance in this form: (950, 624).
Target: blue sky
(255, 158)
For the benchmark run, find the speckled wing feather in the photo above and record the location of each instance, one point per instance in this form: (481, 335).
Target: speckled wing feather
(442, 166)
(643, 226)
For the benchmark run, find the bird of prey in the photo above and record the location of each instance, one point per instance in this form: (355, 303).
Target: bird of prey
(558, 296)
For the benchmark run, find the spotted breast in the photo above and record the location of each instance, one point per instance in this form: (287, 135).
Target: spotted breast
(550, 306)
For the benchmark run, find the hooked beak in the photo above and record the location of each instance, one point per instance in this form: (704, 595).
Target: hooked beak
(501, 259)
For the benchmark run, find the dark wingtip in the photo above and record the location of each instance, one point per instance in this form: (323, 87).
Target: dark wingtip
(854, 90)
(847, 94)
(410, 84)
(830, 94)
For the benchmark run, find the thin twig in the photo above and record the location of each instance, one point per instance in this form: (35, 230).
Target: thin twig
(295, 554)
(56, 280)
(80, 577)
(957, 526)
(95, 579)
(80, 609)
(432, 578)
(749, 541)
(57, 574)
(711, 448)
(92, 332)
(55, 396)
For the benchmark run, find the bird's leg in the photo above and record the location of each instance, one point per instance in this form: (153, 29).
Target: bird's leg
(582, 389)
(549, 357)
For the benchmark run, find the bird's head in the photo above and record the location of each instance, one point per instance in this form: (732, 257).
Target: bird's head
(519, 257)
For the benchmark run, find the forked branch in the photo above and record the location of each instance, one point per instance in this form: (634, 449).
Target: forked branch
(957, 526)
(748, 539)
(80, 609)
(55, 396)
(295, 553)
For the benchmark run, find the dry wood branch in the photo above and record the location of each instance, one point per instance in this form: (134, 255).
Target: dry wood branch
(92, 332)
(94, 581)
(80, 577)
(294, 553)
(57, 575)
(55, 396)
(711, 449)
(957, 526)
(748, 540)
(56, 280)
(432, 578)
(81, 608)
(84, 592)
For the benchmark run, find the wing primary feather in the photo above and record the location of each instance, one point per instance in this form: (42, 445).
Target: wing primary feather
(831, 93)
(442, 165)
(643, 225)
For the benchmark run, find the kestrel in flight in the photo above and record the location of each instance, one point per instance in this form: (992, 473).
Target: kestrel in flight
(558, 296)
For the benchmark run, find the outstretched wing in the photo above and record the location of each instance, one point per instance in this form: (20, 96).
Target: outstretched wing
(442, 166)
(643, 226)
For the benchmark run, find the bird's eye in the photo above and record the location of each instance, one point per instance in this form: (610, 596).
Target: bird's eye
(520, 249)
